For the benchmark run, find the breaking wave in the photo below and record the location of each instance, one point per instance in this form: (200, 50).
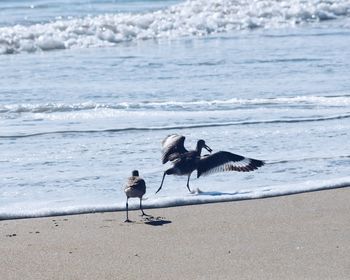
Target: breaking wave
(191, 18)
(233, 103)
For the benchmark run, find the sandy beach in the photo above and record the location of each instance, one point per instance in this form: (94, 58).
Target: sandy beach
(304, 236)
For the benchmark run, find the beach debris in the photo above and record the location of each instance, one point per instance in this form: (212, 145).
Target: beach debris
(185, 162)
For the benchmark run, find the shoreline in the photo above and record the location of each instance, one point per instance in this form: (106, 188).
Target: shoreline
(301, 236)
(199, 199)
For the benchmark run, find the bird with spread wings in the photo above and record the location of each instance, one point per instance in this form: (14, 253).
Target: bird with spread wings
(185, 162)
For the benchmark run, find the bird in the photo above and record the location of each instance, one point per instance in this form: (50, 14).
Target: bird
(185, 162)
(135, 187)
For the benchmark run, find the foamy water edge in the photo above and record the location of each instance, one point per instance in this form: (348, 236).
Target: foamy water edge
(198, 197)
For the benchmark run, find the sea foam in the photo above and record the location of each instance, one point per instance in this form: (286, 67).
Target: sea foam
(191, 18)
(158, 201)
(191, 105)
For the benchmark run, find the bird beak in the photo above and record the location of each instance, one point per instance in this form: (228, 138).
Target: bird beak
(208, 149)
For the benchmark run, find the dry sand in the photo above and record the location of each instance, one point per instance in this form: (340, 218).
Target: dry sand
(304, 236)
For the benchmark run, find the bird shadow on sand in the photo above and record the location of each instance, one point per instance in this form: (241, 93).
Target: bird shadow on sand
(156, 221)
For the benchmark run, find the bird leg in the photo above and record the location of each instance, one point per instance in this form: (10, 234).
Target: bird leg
(161, 184)
(127, 214)
(188, 183)
(143, 213)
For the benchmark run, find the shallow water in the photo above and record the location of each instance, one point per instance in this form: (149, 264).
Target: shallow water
(75, 122)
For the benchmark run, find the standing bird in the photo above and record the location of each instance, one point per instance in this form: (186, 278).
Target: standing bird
(185, 162)
(135, 187)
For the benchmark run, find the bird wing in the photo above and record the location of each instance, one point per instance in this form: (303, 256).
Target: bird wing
(136, 185)
(173, 147)
(226, 161)
(141, 185)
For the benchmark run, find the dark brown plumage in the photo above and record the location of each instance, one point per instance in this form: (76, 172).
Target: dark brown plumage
(185, 162)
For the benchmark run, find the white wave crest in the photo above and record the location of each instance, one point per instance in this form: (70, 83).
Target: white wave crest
(225, 104)
(191, 18)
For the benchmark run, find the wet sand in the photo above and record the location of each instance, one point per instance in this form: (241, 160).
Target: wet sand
(304, 236)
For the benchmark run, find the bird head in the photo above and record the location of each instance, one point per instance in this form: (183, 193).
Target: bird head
(135, 173)
(201, 144)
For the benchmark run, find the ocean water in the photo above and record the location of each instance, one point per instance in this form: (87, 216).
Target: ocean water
(88, 90)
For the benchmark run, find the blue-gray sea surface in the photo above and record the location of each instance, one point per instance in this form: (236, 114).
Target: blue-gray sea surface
(89, 89)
